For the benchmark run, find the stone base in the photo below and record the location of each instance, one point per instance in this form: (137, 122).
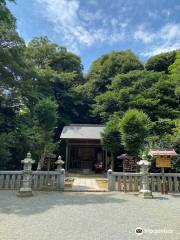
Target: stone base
(23, 193)
(145, 194)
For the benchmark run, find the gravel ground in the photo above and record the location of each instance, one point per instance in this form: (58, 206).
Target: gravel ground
(88, 216)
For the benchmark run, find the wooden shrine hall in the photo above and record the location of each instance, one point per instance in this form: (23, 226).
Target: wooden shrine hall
(84, 148)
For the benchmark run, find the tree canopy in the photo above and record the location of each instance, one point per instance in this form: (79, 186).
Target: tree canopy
(161, 62)
(106, 67)
(134, 128)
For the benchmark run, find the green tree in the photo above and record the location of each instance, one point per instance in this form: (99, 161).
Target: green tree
(161, 62)
(12, 71)
(47, 55)
(59, 74)
(7, 141)
(46, 115)
(175, 139)
(134, 128)
(175, 74)
(152, 92)
(111, 136)
(108, 66)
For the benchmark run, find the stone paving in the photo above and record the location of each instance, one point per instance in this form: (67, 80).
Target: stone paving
(88, 216)
(85, 184)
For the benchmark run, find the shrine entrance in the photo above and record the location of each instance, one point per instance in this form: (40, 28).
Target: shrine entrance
(84, 149)
(85, 157)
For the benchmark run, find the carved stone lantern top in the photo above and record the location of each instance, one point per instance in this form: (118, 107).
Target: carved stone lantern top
(28, 161)
(59, 161)
(144, 164)
(144, 161)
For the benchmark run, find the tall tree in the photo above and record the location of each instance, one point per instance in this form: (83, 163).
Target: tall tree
(59, 75)
(46, 115)
(12, 69)
(111, 135)
(134, 128)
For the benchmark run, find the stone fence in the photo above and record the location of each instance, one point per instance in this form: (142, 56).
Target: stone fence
(132, 182)
(27, 180)
(39, 180)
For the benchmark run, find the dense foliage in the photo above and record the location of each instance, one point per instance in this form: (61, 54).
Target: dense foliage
(161, 62)
(42, 88)
(111, 136)
(134, 128)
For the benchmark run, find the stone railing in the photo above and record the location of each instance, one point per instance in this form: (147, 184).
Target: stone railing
(170, 180)
(10, 179)
(40, 180)
(132, 182)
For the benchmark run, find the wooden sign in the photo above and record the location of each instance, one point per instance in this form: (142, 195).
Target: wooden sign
(163, 162)
(129, 164)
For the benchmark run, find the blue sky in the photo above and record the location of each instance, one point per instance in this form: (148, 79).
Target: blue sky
(91, 28)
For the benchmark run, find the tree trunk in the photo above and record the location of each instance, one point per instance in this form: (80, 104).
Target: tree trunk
(43, 155)
(40, 163)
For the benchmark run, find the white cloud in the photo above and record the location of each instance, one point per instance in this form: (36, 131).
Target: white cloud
(170, 32)
(144, 36)
(81, 27)
(160, 49)
(166, 39)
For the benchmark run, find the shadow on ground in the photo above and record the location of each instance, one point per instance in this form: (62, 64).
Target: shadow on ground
(154, 197)
(43, 201)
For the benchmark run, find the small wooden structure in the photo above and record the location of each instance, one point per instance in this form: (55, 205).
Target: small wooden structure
(84, 147)
(49, 161)
(129, 162)
(163, 157)
(163, 160)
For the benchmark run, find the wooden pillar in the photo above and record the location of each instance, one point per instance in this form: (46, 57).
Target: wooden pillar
(67, 146)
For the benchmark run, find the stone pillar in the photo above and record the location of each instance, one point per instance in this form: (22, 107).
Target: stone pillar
(61, 179)
(144, 191)
(111, 180)
(61, 175)
(26, 190)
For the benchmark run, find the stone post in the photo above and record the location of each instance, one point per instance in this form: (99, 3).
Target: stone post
(144, 191)
(61, 174)
(61, 179)
(111, 180)
(26, 190)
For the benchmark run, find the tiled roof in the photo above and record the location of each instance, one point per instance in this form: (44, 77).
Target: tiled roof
(162, 152)
(82, 131)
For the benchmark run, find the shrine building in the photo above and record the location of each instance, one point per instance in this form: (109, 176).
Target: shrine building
(84, 148)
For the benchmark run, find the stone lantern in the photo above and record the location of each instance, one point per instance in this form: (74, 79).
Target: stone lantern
(144, 189)
(28, 163)
(59, 163)
(61, 173)
(26, 190)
